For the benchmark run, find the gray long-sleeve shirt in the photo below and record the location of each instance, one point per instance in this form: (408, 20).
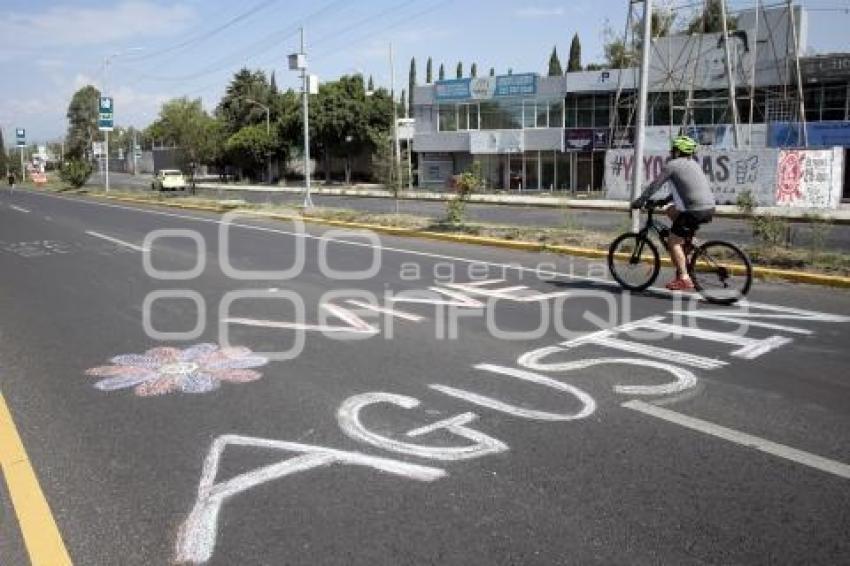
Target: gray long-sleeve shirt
(689, 189)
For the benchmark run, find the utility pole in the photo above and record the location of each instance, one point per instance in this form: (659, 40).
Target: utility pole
(135, 158)
(396, 143)
(305, 78)
(801, 103)
(640, 134)
(733, 103)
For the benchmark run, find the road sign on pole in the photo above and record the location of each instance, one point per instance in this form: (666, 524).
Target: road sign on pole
(104, 121)
(21, 136)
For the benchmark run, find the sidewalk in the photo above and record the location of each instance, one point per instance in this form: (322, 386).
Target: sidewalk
(543, 200)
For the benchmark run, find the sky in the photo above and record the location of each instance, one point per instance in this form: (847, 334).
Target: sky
(159, 49)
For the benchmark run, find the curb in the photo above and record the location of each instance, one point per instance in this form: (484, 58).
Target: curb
(837, 281)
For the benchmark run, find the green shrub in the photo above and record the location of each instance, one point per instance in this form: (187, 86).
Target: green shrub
(75, 173)
(465, 184)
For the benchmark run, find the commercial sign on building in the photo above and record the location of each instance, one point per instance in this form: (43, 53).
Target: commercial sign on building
(497, 141)
(825, 68)
(792, 178)
(484, 88)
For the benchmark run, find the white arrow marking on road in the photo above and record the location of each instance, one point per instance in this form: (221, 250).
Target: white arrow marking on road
(116, 241)
(19, 208)
(806, 458)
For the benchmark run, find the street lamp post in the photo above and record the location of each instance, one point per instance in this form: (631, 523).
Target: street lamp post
(106, 62)
(298, 62)
(268, 132)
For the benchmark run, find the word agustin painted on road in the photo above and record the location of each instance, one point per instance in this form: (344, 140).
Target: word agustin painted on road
(197, 369)
(749, 332)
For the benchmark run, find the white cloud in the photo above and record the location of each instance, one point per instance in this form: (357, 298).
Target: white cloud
(72, 26)
(540, 12)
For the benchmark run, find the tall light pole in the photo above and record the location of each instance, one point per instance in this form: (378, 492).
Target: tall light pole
(396, 143)
(268, 132)
(640, 134)
(106, 62)
(298, 62)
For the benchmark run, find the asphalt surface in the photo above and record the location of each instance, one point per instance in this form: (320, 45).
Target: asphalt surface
(556, 469)
(835, 237)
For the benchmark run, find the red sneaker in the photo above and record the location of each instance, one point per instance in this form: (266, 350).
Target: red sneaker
(680, 285)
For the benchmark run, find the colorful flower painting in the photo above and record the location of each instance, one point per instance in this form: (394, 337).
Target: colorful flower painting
(197, 369)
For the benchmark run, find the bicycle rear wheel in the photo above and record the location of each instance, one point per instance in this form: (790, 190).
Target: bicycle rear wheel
(633, 261)
(722, 272)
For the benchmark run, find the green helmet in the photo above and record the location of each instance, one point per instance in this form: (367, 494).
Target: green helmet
(684, 144)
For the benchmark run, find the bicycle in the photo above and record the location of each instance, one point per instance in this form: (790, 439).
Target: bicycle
(722, 273)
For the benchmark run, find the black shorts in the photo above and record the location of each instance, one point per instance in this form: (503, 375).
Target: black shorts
(687, 223)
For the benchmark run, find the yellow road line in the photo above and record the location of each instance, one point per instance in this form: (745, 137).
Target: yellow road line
(41, 535)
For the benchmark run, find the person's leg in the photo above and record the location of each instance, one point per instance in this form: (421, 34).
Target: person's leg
(677, 253)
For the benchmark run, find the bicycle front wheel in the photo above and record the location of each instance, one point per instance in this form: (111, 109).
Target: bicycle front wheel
(722, 272)
(633, 261)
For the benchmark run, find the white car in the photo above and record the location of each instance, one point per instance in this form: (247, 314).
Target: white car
(169, 180)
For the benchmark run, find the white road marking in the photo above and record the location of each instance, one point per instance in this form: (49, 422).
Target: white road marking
(19, 208)
(116, 241)
(806, 458)
(197, 535)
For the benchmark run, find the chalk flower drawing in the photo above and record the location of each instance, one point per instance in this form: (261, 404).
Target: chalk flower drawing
(197, 369)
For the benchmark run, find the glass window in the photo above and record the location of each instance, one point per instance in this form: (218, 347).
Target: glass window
(542, 114)
(584, 111)
(834, 102)
(473, 116)
(556, 114)
(601, 111)
(448, 118)
(528, 118)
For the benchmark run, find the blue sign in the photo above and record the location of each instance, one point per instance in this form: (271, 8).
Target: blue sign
(104, 120)
(484, 88)
(820, 134)
(516, 85)
(21, 136)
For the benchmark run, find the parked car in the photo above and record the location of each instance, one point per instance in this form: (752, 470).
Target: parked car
(169, 180)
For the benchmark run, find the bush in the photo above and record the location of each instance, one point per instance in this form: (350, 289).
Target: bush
(75, 173)
(465, 184)
(767, 229)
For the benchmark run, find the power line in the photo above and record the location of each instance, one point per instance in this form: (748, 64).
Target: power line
(206, 35)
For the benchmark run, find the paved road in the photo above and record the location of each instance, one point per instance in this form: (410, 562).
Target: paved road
(836, 238)
(433, 413)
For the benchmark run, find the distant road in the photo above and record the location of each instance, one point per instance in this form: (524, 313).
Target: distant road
(837, 239)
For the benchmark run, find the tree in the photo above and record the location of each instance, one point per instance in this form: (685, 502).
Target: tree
(710, 19)
(459, 70)
(4, 157)
(473, 70)
(617, 54)
(411, 83)
(442, 73)
(492, 71)
(249, 148)
(403, 103)
(273, 91)
(371, 87)
(555, 69)
(82, 117)
(429, 71)
(574, 63)
(235, 109)
(185, 124)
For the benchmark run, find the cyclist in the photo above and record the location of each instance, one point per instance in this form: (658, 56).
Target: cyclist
(692, 204)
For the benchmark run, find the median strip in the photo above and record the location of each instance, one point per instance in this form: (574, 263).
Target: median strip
(758, 271)
(41, 535)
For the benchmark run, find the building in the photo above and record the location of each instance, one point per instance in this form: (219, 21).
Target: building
(530, 132)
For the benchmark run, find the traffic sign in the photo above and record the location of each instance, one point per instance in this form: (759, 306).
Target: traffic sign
(20, 136)
(104, 121)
